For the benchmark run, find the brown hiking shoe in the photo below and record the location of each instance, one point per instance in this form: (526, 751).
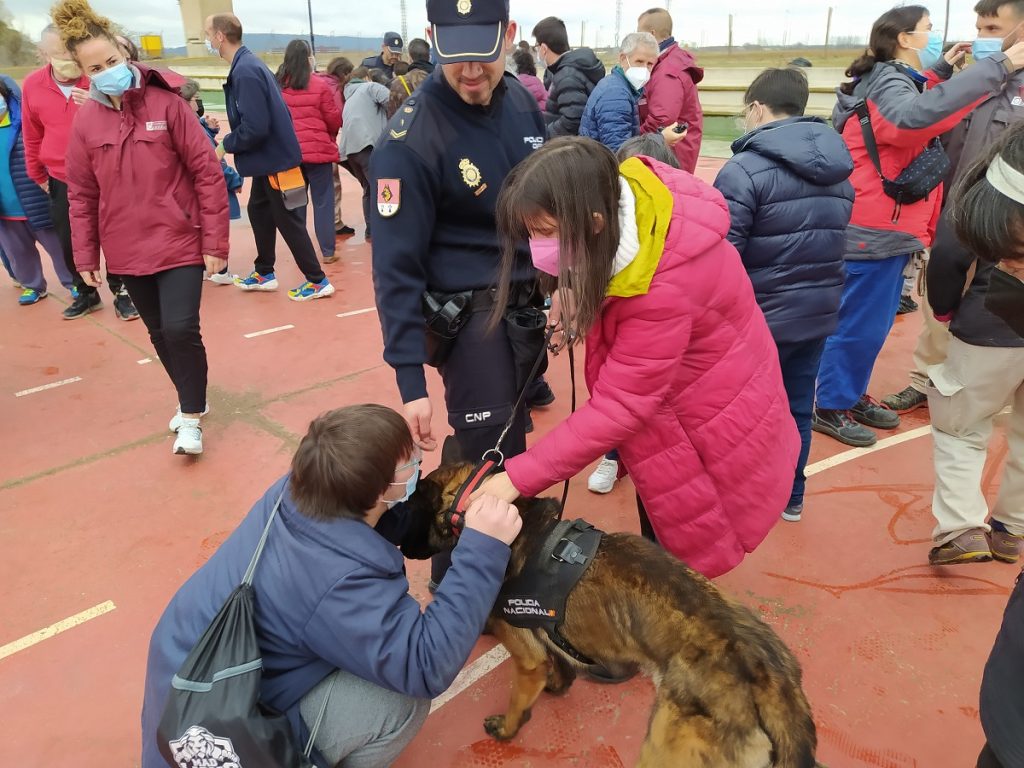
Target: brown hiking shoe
(969, 547)
(1005, 546)
(906, 401)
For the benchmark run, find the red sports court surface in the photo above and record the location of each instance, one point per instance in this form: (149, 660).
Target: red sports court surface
(99, 524)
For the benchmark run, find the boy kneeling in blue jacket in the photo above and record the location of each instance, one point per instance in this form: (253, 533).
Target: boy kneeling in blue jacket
(790, 200)
(332, 599)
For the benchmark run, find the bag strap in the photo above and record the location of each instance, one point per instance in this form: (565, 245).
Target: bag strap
(251, 570)
(861, 110)
(320, 717)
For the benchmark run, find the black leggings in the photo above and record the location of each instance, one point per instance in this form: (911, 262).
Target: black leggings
(168, 303)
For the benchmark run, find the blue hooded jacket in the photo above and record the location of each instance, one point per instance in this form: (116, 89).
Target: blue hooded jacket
(790, 200)
(611, 115)
(330, 594)
(34, 201)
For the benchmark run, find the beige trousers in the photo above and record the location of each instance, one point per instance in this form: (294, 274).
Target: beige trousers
(933, 340)
(969, 389)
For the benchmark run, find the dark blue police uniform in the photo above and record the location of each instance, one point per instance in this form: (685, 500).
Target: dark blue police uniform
(436, 174)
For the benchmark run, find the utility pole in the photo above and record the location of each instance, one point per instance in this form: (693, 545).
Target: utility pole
(312, 41)
(405, 27)
(828, 29)
(730, 34)
(618, 22)
(945, 26)
(583, 33)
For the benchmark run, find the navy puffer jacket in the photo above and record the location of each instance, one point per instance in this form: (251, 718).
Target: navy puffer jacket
(790, 200)
(33, 200)
(611, 115)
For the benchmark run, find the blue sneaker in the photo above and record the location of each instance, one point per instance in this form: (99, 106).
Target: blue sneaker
(308, 291)
(30, 296)
(257, 282)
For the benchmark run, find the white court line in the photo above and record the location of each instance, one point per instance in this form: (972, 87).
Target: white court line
(144, 360)
(52, 385)
(856, 453)
(55, 629)
(482, 666)
(357, 312)
(254, 334)
(498, 655)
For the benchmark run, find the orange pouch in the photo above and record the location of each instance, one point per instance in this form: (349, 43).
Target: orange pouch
(285, 180)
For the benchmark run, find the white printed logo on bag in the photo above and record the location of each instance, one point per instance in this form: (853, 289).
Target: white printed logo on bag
(198, 748)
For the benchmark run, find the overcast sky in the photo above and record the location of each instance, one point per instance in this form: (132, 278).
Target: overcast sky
(775, 21)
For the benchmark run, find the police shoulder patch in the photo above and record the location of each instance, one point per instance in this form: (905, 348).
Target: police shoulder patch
(399, 126)
(389, 196)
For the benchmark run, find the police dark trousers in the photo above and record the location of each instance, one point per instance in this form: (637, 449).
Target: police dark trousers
(168, 303)
(60, 213)
(268, 216)
(442, 162)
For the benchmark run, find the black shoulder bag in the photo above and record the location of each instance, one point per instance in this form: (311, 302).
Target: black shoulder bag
(213, 717)
(916, 182)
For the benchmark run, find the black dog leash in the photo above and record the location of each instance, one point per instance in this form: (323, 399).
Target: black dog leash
(493, 458)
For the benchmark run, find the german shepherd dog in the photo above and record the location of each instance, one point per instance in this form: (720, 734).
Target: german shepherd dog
(728, 691)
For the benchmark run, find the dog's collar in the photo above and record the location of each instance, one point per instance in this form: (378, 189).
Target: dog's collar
(456, 516)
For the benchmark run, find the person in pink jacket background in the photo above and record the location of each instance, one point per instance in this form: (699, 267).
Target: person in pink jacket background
(526, 71)
(316, 114)
(683, 373)
(145, 185)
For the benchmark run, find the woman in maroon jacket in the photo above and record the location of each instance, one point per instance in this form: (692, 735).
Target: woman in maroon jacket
(145, 186)
(317, 119)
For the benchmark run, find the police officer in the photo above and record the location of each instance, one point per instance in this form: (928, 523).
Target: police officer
(436, 174)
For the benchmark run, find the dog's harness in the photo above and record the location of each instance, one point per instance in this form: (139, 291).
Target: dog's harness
(536, 598)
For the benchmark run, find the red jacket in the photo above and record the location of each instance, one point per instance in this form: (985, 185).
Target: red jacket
(47, 115)
(905, 116)
(684, 380)
(317, 120)
(144, 183)
(671, 97)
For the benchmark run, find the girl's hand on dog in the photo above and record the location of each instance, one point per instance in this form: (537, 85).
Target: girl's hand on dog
(498, 486)
(495, 518)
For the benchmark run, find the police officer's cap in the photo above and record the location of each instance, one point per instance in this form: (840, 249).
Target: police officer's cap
(468, 30)
(393, 41)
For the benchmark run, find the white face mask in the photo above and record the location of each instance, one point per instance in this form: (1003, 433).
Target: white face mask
(638, 77)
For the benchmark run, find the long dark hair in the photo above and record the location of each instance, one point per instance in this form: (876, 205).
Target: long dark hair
(295, 70)
(988, 223)
(884, 41)
(569, 179)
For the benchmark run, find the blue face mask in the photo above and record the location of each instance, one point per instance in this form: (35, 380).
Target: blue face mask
(984, 47)
(932, 52)
(114, 81)
(410, 484)
(209, 47)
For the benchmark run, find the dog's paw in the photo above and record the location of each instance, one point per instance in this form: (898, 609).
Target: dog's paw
(495, 727)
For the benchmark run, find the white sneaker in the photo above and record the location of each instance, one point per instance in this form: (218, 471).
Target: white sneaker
(604, 477)
(175, 423)
(222, 279)
(190, 438)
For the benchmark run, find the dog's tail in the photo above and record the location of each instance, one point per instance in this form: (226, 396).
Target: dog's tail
(785, 715)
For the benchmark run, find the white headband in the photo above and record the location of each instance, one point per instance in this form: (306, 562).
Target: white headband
(1006, 179)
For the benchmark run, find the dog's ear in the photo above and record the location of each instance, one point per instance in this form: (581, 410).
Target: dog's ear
(421, 511)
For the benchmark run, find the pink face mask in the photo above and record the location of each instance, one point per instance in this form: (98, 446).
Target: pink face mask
(544, 252)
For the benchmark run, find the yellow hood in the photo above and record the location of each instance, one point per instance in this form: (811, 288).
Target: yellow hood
(653, 213)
